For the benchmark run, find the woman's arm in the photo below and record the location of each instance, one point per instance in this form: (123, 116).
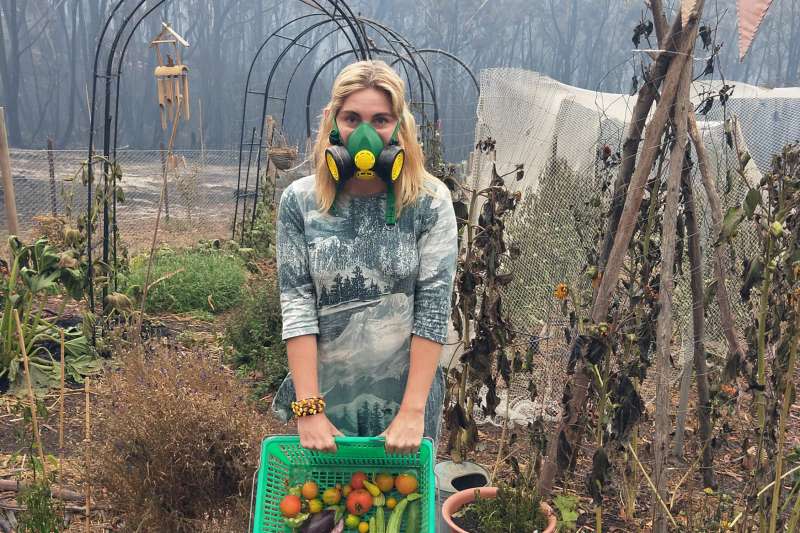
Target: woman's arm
(404, 434)
(316, 431)
(438, 247)
(300, 322)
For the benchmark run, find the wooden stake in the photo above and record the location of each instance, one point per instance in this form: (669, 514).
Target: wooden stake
(52, 168)
(8, 180)
(698, 325)
(158, 219)
(564, 442)
(86, 440)
(164, 172)
(202, 141)
(61, 416)
(664, 321)
(735, 349)
(31, 397)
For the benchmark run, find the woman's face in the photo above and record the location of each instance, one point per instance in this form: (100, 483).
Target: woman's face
(367, 105)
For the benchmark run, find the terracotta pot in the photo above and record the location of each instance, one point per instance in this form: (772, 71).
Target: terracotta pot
(458, 500)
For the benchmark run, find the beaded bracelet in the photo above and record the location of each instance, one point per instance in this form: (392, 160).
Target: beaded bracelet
(308, 407)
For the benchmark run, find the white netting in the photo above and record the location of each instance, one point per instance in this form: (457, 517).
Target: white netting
(557, 131)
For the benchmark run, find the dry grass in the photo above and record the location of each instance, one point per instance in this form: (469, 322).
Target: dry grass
(175, 443)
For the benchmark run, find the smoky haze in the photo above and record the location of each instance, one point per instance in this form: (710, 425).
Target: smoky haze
(47, 49)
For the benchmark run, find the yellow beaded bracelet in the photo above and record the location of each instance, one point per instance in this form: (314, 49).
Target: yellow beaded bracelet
(308, 407)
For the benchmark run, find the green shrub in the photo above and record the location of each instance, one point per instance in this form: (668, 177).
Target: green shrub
(254, 332)
(194, 280)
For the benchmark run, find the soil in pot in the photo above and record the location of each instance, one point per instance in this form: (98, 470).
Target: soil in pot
(468, 521)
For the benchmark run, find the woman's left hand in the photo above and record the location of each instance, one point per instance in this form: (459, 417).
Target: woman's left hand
(404, 434)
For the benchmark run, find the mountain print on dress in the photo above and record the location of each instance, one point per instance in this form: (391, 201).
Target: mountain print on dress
(364, 288)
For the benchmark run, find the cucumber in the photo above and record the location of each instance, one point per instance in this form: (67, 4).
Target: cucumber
(380, 521)
(413, 517)
(397, 515)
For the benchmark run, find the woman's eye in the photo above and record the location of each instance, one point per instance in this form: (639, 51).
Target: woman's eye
(350, 119)
(380, 121)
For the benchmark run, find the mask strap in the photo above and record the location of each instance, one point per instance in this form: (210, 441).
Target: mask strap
(335, 137)
(391, 215)
(394, 138)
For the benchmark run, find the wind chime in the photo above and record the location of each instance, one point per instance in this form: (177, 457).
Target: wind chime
(172, 80)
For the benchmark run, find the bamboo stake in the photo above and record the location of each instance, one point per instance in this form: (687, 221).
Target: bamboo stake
(31, 397)
(8, 179)
(61, 416)
(788, 376)
(653, 487)
(87, 440)
(158, 219)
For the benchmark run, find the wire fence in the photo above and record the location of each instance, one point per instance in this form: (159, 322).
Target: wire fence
(199, 201)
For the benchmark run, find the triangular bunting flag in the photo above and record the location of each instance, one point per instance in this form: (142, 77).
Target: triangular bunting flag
(750, 14)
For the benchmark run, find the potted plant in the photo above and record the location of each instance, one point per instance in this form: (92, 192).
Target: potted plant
(498, 509)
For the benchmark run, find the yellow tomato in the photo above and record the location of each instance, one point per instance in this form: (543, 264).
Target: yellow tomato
(314, 506)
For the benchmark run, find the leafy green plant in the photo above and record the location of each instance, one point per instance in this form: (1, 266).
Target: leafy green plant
(190, 280)
(254, 333)
(38, 271)
(773, 275)
(261, 235)
(567, 508)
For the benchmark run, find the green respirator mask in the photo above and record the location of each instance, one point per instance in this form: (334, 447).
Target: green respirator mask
(366, 157)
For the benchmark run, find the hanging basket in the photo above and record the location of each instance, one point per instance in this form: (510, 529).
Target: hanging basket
(283, 157)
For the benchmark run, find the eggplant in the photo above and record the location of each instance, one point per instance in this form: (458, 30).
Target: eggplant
(323, 522)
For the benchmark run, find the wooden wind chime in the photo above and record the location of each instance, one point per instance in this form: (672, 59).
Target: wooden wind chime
(172, 79)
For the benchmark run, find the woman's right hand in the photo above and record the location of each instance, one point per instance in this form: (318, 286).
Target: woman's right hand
(317, 433)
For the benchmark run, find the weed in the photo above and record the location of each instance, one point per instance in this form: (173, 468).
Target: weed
(255, 335)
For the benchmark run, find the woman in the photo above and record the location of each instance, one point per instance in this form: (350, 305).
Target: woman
(366, 260)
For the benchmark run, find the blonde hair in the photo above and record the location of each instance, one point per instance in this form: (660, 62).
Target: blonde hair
(373, 74)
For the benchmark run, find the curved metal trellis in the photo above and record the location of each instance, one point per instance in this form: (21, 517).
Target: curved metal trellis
(355, 36)
(391, 37)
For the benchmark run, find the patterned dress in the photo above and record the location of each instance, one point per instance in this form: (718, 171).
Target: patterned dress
(364, 288)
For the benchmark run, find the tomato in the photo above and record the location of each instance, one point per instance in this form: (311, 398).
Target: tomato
(314, 506)
(309, 490)
(406, 484)
(385, 482)
(391, 503)
(363, 527)
(290, 506)
(359, 502)
(331, 496)
(357, 481)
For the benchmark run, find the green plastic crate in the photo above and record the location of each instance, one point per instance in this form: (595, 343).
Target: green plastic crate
(284, 463)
